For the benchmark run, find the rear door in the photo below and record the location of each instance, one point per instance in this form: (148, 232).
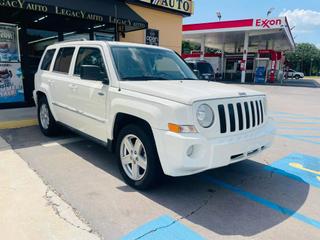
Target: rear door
(89, 97)
(59, 86)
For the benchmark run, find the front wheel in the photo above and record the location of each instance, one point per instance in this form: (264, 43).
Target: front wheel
(297, 77)
(138, 158)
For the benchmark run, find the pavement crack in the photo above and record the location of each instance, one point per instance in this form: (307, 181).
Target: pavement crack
(204, 204)
(49, 196)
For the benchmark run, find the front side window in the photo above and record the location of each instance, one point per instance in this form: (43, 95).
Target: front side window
(140, 63)
(47, 59)
(63, 60)
(89, 56)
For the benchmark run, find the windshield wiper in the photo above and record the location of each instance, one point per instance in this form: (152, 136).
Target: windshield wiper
(190, 79)
(146, 78)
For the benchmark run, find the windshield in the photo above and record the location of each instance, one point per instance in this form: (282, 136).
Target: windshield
(142, 63)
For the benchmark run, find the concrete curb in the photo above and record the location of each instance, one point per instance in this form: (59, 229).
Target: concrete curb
(18, 124)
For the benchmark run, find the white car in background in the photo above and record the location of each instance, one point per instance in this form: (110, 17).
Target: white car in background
(294, 74)
(150, 108)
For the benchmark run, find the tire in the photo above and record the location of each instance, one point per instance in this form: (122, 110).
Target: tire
(47, 123)
(144, 160)
(297, 77)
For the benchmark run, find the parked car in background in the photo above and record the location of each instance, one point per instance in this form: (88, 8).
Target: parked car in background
(294, 74)
(147, 105)
(202, 68)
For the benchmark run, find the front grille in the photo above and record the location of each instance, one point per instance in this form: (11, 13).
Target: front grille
(240, 116)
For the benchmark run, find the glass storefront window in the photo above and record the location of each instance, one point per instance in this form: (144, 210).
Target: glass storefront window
(37, 41)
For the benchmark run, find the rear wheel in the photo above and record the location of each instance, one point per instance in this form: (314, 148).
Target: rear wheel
(138, 158)
(47, 123)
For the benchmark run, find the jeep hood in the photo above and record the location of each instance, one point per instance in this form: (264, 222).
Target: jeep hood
(187, 92)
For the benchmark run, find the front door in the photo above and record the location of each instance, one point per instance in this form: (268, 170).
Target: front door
(89, 97)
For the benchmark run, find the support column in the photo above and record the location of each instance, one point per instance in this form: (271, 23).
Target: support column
(222, 70)
(245, 57)
(203, 47)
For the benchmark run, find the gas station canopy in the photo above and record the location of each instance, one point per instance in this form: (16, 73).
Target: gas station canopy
(272, 34)
(242, 38)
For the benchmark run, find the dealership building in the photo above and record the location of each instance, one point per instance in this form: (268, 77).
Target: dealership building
(28, 27)
(248, 50)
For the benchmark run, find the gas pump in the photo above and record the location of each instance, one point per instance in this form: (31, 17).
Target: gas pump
(271, 61)
(261, 70)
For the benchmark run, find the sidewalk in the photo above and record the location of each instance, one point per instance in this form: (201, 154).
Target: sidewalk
(29, 209)
(18, 117)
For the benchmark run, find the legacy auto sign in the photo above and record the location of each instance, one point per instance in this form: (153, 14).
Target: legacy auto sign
(75, 13)
(183, 6)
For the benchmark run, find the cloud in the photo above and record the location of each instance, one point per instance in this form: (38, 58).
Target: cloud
(306, 24)
(303, 20)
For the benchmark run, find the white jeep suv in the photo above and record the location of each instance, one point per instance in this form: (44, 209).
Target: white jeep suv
(147, 105)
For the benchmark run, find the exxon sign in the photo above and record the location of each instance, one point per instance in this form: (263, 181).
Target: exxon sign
(269, 23)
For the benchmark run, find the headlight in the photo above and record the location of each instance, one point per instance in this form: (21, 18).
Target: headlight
(205, 116)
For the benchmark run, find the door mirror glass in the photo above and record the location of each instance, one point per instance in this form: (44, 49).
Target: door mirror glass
(196, 72)
(94, 73)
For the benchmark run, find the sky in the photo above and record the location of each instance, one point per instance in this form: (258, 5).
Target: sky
(304, 15)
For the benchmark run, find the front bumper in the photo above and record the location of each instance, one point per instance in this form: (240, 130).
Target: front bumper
(173, 149)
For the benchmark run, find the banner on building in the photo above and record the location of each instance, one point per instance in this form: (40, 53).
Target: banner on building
(11, 79)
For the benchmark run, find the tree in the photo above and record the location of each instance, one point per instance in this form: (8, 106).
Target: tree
(188, 47)
(305, 58)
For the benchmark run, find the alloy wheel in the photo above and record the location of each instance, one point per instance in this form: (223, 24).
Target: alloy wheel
(133, 157)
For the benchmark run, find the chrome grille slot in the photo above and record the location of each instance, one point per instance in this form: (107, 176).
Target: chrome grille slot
(253, 114)
(240, 116)
(262, 112)
(246, 106)
(258, 113)
(232, 118)
(222, 117)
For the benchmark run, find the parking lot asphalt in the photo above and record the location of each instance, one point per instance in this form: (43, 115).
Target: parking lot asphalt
(272, 196)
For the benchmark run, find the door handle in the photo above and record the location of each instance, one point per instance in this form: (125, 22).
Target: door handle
(72, 86)
(100, 93)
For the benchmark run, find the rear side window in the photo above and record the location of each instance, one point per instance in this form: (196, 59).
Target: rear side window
(63, 60)
(47, 59)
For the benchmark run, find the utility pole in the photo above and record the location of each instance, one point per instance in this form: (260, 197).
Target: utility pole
(311, 66)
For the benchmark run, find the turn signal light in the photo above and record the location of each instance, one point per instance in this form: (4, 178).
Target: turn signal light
(181, 128)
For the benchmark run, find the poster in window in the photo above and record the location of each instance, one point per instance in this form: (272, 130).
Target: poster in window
(11, 88)
(152, 37)
(11, 79)
(9, 46)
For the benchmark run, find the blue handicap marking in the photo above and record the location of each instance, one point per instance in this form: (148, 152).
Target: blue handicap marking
(300, 167)
(163, 228)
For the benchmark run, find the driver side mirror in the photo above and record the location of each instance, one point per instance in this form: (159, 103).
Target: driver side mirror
(94, 73)
(197, 73)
